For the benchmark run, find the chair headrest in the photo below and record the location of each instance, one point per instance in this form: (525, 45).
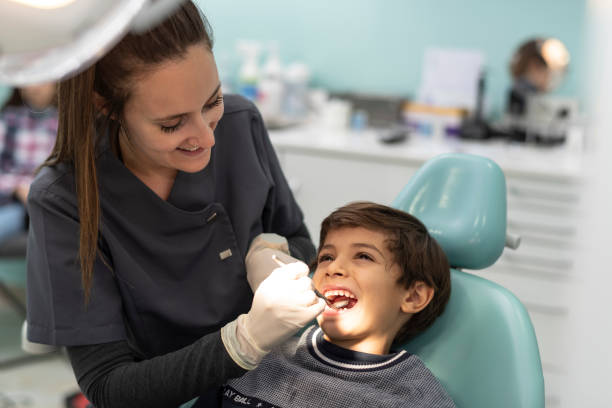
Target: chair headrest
(461, 199)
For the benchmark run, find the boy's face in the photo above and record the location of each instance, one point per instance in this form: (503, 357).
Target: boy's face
(356, 269)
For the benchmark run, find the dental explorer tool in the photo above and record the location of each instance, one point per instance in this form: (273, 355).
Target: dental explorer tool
(319, 294)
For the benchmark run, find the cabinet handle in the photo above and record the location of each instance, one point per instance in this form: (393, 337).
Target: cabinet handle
(555, 196)
(558, 264)
(540, 228)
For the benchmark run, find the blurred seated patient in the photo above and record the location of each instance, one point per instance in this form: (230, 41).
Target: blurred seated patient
(28, 128)
(389, 280)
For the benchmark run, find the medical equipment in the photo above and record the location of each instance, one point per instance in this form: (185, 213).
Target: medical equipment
(248, 76)
(483, 348)
(319, 294)
(281, 305)
(43, 41)
(474, 126)
(271, 89)
(537, 67)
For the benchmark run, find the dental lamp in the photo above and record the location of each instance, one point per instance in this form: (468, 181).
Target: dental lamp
(49, 40)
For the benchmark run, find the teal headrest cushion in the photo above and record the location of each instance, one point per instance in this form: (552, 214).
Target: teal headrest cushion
(461, 198)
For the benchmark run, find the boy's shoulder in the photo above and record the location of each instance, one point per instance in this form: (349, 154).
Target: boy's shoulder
(313, 377)
(419, 379)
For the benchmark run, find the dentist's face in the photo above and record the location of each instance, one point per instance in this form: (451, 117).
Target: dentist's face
(356, 270)
(171, 115)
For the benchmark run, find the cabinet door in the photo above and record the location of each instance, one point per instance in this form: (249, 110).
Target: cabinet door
(324, 183)
(541, 272)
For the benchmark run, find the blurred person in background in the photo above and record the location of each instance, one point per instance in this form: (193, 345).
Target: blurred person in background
(537, 67)
(28, 128)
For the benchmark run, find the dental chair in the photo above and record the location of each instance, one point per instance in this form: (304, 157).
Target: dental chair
(483, 348)
(12, 283)
(12, 271)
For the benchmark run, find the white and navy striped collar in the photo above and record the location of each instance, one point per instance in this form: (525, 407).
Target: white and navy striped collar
(338, 357)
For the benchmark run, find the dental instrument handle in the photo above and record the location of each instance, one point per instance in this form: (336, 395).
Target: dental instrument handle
(319, 294)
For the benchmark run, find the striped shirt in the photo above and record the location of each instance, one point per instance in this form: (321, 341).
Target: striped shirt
(311, 372)
(26, 139)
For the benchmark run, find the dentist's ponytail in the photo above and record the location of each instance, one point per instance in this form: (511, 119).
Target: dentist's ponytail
(75, 144)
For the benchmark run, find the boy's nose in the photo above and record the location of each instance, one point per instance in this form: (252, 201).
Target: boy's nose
(336, 269)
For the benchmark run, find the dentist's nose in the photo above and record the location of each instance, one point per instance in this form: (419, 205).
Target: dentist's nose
(206, 133)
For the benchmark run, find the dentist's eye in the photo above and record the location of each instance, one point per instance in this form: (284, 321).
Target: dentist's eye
(325, 258)
(173, 128)
(214, 104)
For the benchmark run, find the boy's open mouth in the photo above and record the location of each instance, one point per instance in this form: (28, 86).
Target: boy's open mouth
(341, 299)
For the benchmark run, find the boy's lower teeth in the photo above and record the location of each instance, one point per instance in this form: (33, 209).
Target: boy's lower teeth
(341, 304)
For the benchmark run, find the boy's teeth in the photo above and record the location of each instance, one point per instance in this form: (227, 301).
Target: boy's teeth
(340, 304)
(345, 293)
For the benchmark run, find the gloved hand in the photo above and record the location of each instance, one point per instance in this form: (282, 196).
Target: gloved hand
(259, 262)
(283, 304)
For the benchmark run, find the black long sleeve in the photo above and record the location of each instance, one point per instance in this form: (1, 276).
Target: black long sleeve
(110, 375)
(300, 245)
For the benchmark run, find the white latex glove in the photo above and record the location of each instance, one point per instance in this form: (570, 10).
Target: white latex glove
(283, 304)
(259, 262)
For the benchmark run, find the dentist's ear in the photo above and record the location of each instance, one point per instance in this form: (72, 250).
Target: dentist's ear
(100, 104)
(417, 297)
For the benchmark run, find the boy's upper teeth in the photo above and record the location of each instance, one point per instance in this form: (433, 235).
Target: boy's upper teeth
(339, 292)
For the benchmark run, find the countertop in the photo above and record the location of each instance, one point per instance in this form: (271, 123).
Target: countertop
(561, 163)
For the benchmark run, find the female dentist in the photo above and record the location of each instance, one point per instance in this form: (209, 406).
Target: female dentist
(141, 217)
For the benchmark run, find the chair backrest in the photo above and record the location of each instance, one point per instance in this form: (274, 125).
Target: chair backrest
(483, 348)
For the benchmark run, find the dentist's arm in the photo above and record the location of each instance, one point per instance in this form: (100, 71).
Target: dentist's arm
(111, 375)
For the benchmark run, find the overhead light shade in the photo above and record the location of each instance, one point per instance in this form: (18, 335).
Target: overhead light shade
(48, 40)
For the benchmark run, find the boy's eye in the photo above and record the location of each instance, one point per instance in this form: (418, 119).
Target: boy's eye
(365, 256)
(324, 258)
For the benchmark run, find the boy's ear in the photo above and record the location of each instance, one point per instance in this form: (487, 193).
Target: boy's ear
(417, 297)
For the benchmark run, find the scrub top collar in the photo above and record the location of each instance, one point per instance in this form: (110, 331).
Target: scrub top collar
(339, 357)
(191, 192)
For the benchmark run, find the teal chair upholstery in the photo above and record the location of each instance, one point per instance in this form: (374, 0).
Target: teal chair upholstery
(483, 348)
(13, 271)
(12, 288)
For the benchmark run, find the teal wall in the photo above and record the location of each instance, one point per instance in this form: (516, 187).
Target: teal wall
(5, 92)
(378, 45)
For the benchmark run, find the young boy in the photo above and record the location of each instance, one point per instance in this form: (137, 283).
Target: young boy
(389, 280)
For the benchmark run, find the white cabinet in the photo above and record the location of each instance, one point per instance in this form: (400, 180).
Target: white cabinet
(324, 183)
(541, 272)
(544, 190)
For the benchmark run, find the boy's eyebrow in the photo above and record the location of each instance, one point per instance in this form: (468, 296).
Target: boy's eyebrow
(326, 246)
(357, 245)
(361, 244)
(178, 115)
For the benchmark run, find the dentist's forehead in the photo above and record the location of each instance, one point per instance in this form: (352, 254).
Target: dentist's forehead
(177, 86)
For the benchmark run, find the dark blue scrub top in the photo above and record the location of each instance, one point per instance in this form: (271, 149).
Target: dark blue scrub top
(170, 283)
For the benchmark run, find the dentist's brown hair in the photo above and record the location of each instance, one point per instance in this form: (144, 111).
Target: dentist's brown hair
(91, 106)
